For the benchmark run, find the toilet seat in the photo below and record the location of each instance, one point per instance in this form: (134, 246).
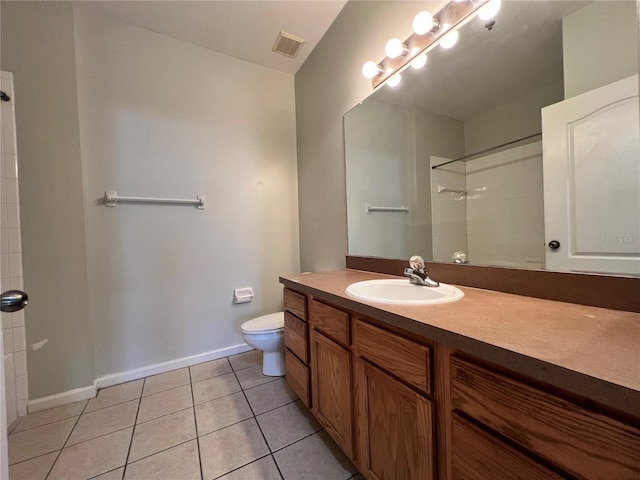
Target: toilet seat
(272, 323)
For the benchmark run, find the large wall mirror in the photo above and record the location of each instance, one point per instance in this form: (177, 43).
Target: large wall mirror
(519, 146)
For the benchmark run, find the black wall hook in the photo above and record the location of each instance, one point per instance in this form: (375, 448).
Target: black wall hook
(4, 97)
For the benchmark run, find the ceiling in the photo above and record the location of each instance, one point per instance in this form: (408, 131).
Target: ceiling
(242, 29)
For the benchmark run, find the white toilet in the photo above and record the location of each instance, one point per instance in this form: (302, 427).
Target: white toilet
(266, 333)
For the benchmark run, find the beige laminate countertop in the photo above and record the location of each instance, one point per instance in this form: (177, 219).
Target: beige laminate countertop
(592, 352)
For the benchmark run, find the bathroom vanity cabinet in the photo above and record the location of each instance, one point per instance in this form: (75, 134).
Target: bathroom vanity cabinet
(403, 406)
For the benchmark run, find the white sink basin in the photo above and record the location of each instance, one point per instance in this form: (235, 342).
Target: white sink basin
(403, 292)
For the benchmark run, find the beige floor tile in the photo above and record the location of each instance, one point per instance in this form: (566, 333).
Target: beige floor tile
(49, 416)
(103, 421)
(38, 441)
(215, 387)
(117, 394)
(315, 458)
(269, 396)
(162, 433)
(230, 448)
(34, 469)
(287, 424)
(252, 377)
(245, 360)
(263, 469)
(166, 381)
(211, 369)
(221, 413)
(164, 403)
(179, 462)
(93, 457)
(112, 475)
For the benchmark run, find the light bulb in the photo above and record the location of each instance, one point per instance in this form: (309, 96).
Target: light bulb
(394, 81)
(420, 61)
(395, 48)
(449, 39)
(489, 9)
(371, 69)
(424, 22)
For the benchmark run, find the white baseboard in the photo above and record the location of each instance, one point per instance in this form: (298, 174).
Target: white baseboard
(85, 393)
(63, 398)
(155, 369)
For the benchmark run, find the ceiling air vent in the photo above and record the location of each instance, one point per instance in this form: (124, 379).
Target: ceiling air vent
(287, 44)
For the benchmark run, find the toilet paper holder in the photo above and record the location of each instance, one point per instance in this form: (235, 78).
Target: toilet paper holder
(243, 295)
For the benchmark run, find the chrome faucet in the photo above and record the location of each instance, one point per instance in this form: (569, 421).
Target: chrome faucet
(417, 274)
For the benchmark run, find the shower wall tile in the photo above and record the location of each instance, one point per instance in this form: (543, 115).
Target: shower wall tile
(4, 265)
(15, 264)
(13, 215)
(7, 342)
(16, 283)
(19, 339)
(18, 317)
(10, 164)
(4, 240)
(20, 359)
(8, 139)
(11, 191)
(10, 389)
(448, 210)
(13, 324)
(22, 387)
(505, 208)
(15, 240)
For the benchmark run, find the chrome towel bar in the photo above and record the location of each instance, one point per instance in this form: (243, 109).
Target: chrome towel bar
(369, 208)
(111, 198)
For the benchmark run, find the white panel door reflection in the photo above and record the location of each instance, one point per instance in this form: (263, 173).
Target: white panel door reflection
(591, 146)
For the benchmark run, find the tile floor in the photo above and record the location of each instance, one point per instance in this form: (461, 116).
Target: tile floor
(216, 420)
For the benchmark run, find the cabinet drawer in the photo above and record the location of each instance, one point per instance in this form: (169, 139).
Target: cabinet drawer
(296, 303)
(580, 441)
(408, 360)
(295, 336)
(297, 376)
(480, 456)
(332, 322)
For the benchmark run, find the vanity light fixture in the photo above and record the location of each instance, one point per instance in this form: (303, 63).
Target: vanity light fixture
(419, 61)
(395, 48)
(449, 39)
(371, 69)
(489, 9)
(429, 31)
(394, 80)
(424, 22)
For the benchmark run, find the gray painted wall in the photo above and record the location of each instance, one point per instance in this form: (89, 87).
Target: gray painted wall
(511, 121)
(377, 144)
(328, 85)
(165, 118)
(38, 47)
(594, 53)
(104, 105)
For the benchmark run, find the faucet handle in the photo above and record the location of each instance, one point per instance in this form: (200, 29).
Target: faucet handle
(417, 263)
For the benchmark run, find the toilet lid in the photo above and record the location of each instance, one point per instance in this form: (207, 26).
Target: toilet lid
(265, 323)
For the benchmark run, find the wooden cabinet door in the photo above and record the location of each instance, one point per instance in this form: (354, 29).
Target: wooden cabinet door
(331, 389)
(394, 427)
